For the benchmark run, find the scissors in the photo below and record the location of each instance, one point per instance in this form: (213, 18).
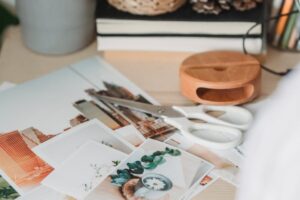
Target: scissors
(222, 132)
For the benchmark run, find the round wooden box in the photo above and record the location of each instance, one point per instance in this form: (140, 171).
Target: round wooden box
(220, 78)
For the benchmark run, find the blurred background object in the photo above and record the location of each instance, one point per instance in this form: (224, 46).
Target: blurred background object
(10, 4)
(217, 6)
(271, 170)
(7, 18)
(285, 31)
(57, 26)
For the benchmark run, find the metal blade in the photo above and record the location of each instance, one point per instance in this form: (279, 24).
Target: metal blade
(157, 111)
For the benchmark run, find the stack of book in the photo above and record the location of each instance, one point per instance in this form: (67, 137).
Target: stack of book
(183, 30)
(286, 29)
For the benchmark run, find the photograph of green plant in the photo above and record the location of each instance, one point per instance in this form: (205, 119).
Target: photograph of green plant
(149, 162)
(154, 171)
(7, 192)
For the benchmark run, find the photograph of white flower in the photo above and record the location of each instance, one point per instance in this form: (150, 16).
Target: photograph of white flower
(84, 170)
(59, 148)
(155, 170)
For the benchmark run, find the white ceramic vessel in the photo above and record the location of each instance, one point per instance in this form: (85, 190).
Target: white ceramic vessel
(57, 26)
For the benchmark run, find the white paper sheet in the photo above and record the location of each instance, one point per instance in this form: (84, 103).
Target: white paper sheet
(59, 148)
(84, 169)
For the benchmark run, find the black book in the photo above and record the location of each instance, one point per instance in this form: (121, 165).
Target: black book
(183, 22)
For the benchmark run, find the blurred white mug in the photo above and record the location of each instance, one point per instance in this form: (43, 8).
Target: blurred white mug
(57, 26)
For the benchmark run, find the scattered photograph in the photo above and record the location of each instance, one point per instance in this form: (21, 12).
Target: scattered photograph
(146, 174)
(229, 174)
(51, 111)
(131, 135)
(8, 189)
(213, 189)
(91, 110)
(205, 182)
(180, 141)
(46, 194)
(33, 137)
(148, 125)
(52, 126)
(59, 148)
(108, 81)
(84, 169)
(225, 168)
(44, 103)
(20, 163)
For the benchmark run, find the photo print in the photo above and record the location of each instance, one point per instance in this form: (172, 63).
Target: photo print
(42, 103)
(84, 170)
(205, 182)
(224, 167)
(148, 125)
(46, 115)
(46, 107)
(20, 163)
(146, 174)
(59, 148)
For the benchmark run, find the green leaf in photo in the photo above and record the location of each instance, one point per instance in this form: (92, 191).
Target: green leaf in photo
(150, 166)
(159, 160)
(121, 177)
(147, 158)
(136, 167)
(173, 152)
(159, 153)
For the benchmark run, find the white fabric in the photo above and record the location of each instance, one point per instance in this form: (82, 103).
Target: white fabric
(271, 170)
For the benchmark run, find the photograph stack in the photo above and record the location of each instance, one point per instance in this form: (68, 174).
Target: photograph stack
(81, 147)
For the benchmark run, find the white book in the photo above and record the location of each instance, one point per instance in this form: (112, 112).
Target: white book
(116, 26)
(185, 44)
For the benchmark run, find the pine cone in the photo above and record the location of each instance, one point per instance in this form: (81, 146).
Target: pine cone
(224, 4)
(210, 6)
(243, 5)
(217, 6)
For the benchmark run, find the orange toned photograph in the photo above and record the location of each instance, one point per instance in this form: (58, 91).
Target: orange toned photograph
(17, 160)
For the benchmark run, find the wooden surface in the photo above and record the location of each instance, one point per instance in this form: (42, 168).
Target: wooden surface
(155, 72)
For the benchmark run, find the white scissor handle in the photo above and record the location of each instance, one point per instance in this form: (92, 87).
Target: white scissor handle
(234, 116)
(208, 135)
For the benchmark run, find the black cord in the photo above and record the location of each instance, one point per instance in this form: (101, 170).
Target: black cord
(266, 21)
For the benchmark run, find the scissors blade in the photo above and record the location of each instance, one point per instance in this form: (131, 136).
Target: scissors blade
(155, 110)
